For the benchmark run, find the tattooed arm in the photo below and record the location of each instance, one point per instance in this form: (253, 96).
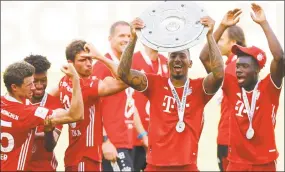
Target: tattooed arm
(230, 19)
(215, 78)
(133, 78)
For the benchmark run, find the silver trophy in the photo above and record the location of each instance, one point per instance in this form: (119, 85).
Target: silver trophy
(172, 26)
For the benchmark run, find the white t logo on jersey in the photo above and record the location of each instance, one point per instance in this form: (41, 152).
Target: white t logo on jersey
(169, 102)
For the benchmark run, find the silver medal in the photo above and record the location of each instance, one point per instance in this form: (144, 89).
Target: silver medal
(250, 133)
(180, 126)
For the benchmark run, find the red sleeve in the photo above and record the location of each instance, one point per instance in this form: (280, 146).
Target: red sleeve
(226, 83)
(101, 71)
(151, 78)
(35, 115)
(91, 89)
(270, 86)
(206, 97)
(56, 104)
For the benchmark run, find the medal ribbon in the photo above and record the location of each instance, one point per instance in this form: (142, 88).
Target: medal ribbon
(250, 109)
(180, 105)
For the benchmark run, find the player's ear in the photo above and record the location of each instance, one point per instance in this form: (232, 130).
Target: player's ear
(190, 64)
(13, 87)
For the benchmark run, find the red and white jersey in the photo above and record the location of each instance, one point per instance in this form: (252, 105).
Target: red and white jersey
(224, 124)
(261, 148)
(167, 147)
(18, 123)
(85, 137)
(144, 64)
(117, 110)
(41, 159)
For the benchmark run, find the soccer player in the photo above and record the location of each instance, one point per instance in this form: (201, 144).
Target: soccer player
(84, 152)
(147, 61)
(254, 102)
(227, 34)
(43, 158)
(118, 109)
(176, 103)
(18, 121)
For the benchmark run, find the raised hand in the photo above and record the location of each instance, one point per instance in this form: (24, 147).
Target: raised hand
(92, 52)
(232, 17)
(137, 23)
(69, 70)
(208, 22)
(258, 16)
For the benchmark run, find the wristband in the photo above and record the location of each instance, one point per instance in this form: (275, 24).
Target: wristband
(140, 136)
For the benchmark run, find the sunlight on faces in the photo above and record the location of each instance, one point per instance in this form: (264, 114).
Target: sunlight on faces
(40, 82)
(246, 70)
(178, 64)
(120, 38)
(24, 91)
(83, 65)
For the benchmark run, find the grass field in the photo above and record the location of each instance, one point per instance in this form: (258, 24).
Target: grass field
(207, 159)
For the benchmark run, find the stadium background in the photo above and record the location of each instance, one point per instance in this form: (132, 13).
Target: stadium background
(47, 27)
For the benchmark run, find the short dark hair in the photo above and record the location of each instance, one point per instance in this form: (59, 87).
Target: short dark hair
(236, 33)
(40, 63)
(74, 48)
(16, 73)
(114, 25)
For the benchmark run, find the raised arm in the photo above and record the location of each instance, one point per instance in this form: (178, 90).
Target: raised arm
(277, 64)
(109, 85)
(76, 111)
(95, 54)
(230, 19)
(133, 78)
(215, 78)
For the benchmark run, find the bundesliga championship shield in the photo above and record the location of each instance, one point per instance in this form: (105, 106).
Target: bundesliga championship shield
(172, 26)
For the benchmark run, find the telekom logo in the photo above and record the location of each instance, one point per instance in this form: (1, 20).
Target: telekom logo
(168, 103)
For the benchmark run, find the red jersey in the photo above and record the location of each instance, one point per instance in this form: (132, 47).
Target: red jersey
(85, 137)
(167, 147)
(224, 124)
(18, 123)
(144, 64)
(261, 148)
(117, 110)
(42, 159)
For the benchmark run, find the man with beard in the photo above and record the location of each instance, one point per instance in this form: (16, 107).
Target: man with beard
(43, 158)
(176, 103)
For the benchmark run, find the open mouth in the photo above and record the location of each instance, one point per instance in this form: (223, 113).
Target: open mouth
(240, 79)
(177, 68)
